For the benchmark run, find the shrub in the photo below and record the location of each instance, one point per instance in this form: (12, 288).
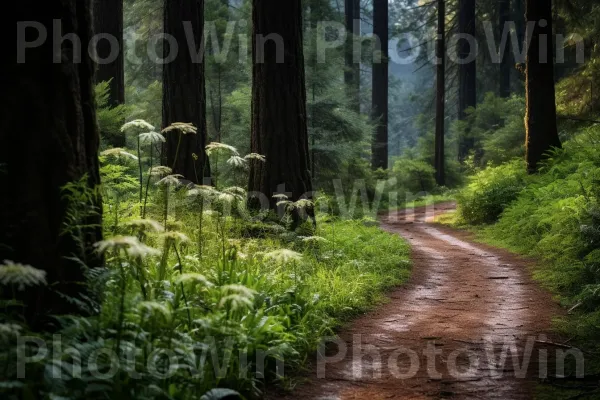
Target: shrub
(490, 192)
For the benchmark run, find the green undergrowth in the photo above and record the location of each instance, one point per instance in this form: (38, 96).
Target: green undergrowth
(199, 293)
(553, 216)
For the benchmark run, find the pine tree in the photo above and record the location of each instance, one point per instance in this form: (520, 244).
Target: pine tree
(49, 140)
(540, 119)
(184, 98)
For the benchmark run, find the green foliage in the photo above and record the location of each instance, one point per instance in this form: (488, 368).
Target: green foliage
(490, 191)
(553, 216)
(110, 118)
(198, 288)
(497, 129)
(415, 175)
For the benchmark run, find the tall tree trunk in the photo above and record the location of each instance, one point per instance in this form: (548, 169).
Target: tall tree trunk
(380, 87)
(352, 72)
(279, 126)
(49, 139)
(184, 98)
(440, 175)
(540, 119)
(108, 19)
(467, 72)
(506, 62)
(519, 16)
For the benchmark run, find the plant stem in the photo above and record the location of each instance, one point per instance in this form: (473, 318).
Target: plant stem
(200, 227)
(166, 208)
(121, 303)
(187, 307)
(148, 183)
(177, 151)
(139, 151)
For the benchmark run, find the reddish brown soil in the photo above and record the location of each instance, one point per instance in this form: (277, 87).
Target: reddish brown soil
(465, 301)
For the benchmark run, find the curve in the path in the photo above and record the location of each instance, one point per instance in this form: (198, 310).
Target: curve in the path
(467, 326)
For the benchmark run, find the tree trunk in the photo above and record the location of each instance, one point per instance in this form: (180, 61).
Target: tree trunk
(108, 19)
(380, 87)
(506, 62)
(467, 72)
(184, 98)
(440, 176)
(279, 127)
(49, 139)
(352, 72)
(540, 119)
(519, 16)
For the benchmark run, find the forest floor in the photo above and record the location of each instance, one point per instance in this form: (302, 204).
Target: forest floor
(444, 334)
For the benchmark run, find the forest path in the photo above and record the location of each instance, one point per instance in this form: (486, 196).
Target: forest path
(442, 335)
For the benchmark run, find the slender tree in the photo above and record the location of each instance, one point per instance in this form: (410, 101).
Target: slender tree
(184, 98)
(380, 86)
(440, 176)
(352, 72)
(279, 126)
(50, 139)
(108, 19)
(467, 70)
(540, 118)
(504, 12)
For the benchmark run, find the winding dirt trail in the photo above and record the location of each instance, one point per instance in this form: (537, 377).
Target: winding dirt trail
(444, 334)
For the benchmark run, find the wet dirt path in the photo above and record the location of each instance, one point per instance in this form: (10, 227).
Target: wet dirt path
(468, 325)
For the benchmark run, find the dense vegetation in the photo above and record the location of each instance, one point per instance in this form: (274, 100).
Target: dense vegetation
(135, 261)
(185, 300)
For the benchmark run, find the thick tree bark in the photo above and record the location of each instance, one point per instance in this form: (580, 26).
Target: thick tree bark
(506, 62)
(540, 118)
(467, 71)
(279, 127)
(352, 72)
(49, 139)
(440, 175)
(108, 19)
(184, 97)
(380, 87)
